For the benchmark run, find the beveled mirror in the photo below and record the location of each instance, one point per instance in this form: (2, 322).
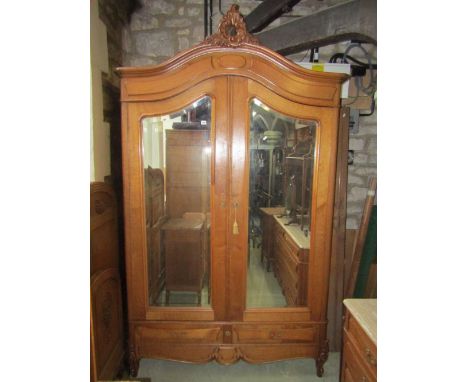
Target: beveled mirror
(176, 159)
(282, 154)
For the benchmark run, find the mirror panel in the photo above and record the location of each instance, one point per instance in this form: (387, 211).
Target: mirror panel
(282, 155)
(177, 160)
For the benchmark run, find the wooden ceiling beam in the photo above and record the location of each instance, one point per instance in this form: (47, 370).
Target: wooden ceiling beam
(354, 20)
(266, 12)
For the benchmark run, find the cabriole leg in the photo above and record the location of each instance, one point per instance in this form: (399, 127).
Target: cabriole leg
(322, 358)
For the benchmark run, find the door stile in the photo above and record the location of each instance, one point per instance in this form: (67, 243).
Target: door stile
(320, 258)
(219, 202)
(238, 197)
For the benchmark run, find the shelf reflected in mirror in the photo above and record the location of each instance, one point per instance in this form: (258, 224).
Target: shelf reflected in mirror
(177, 159)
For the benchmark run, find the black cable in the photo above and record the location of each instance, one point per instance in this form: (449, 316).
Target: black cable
(372, 109)
(205, 18)
(219, 7)
(341, 55)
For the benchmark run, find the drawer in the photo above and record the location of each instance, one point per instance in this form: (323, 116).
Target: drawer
(179, 333)
(353, 369)
(274, 333)
(287, 269)
(283, 239)
(365, 348)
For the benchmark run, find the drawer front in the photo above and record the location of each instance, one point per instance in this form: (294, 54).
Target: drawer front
(353, 369)
(287, 268)
(179, 333)
(365, 348)
(283, 239)
(280, 333)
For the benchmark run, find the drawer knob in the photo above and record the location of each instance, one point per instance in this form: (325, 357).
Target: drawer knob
(227, 333)
(370, 358)
(364, 379)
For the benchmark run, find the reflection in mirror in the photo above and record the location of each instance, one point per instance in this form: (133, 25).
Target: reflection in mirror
(176, 160)
(282, 154)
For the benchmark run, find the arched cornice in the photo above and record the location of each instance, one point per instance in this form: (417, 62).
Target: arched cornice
(224, 55)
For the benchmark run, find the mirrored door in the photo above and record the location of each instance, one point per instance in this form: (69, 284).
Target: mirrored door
(176, 161)
(282, 156)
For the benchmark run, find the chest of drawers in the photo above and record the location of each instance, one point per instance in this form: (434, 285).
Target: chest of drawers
(359, 362)
(290, 266)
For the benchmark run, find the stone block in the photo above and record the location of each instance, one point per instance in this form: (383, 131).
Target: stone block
(178, 23)
(195, 2)
(154, 44)
(372, 146)
(193, 11)
(126, 40)
(198, 33)
(143, 21)
(352, 222)
(356, 180)
(360, 158)
(183, 43)
(370, 120)
(159, 7)
(357, 194)
(366, 130)
(183, 32)
(181, 11)
(142, 61)
(357, 144)
(365, 171)
(355, 209)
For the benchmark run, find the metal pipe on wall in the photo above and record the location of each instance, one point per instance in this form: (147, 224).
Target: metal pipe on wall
(208, 17)
(205, 18)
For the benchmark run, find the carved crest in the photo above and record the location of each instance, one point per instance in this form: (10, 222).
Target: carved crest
(232, 31)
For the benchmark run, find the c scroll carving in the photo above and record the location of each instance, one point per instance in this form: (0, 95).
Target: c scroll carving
(227, 355)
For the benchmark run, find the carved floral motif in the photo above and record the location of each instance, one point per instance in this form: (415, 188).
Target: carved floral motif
(232, 31)
(106, 314)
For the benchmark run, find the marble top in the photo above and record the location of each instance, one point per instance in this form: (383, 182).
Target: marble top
(364, 310)
(294, 231)
(272, 210)
(181, 224)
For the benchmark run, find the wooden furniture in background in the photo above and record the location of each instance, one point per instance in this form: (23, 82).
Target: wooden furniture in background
(232, 69)
(107, 336)
(359, 356)
(183, 251)
(187, 166)
(155, 218)
(188, 201)
(267, 225)
(291, 263)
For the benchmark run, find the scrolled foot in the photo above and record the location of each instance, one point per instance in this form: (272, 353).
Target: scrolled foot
(134, 364)
(322, 358)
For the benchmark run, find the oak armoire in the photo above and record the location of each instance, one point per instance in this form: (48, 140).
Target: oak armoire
(234, 129)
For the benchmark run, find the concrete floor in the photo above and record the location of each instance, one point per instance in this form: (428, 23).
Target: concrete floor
(301, 370)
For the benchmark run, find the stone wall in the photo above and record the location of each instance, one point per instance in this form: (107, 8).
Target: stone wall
(161, 28)
(364, 144)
